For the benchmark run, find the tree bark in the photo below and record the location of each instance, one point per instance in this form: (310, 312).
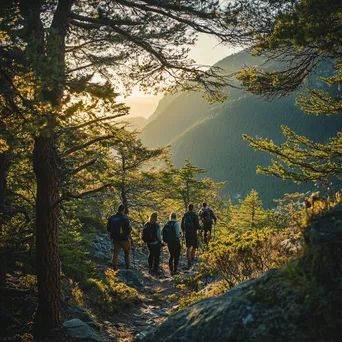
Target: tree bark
(4, 167)
(45, 164)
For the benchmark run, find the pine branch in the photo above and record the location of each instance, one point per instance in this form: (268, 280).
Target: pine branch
(87, 193)
(84, 166)
(88, 143)
(88, 123)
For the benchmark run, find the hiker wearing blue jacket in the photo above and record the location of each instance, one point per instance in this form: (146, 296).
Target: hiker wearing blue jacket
(119, 228)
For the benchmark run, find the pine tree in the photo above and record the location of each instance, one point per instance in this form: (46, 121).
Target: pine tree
(51, 50)
(303, 35)
(249, 214)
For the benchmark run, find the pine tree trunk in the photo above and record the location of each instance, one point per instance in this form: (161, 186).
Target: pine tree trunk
(4, 167)
(48, 265)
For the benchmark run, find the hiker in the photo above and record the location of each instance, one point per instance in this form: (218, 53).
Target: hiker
(152, 237)
(189, 226)
(119, 227)
(171, 235)
(207, 217)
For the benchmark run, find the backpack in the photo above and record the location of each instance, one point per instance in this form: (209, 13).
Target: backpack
(149, 234)
(169, 232)
(189, 224)
(206, 217)
(115, 226)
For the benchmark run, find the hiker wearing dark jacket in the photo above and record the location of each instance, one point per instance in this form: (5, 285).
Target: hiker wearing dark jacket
(119, 227)
(155, 246)
(207, 217)
(171, 235)
(190, 225)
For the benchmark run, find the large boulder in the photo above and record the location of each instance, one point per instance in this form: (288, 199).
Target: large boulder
(301, 302)
(79, 330)
(235, 316)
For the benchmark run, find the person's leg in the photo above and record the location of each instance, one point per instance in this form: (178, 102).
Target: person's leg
(157, 249)
(170, 259)
(209, 234)
(126, 246)
(150, 256)
(193, 252)
(117, 248)
(176, 258)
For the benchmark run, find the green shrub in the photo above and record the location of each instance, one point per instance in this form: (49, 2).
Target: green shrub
(110, 294)
(237, 257)
(74, 257)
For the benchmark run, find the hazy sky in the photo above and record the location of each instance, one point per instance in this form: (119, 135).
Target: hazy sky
(206, 52)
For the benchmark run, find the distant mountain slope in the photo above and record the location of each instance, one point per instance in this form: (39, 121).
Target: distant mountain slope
(211, 134)
(216, 143)
(135, 123)
(178, 115)
(163, 103)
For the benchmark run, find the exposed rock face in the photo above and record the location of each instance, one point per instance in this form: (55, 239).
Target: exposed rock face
(233, 316)
(79, 330)
(302, 302)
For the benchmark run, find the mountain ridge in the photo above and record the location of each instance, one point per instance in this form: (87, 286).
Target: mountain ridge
(211, 135)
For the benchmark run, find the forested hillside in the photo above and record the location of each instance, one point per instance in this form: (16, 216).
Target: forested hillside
(103, 238)
(211, 135)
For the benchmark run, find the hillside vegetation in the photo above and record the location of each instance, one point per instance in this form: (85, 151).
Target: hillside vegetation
(211, 134)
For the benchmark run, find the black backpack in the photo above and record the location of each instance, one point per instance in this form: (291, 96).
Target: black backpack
(115, 226)
(206, 217)
(169, 232)
(189, 226)
(149, 233)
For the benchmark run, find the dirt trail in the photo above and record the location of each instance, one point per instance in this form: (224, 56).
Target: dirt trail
(159, 299)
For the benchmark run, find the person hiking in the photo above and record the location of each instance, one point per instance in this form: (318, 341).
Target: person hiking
(152, 237)
(119, 228)
(207, 217)
(171, 235)
(189, 226)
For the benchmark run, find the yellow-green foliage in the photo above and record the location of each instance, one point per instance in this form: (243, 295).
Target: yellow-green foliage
(74, 258)
(190, 298)
(109, 293)
(240, 256)
(78, 296)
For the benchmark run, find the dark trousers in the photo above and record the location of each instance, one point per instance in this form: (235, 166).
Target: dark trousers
(154, 255)
(174, 250)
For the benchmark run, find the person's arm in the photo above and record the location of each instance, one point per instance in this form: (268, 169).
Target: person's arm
(177, 228)
(159, 233)
(126, 225)
(108, 226)
(182, 224)
(197, 224)
(213, 216)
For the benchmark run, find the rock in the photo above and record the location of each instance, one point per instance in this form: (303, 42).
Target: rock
(84, 316)
(160, 313)
(130, 278)
(140, 322)
(77, 329)
(299, 303)
(143, 334)
(101, 256)
(230, 317)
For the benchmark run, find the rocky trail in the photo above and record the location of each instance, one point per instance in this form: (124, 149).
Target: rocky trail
(159, 298)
